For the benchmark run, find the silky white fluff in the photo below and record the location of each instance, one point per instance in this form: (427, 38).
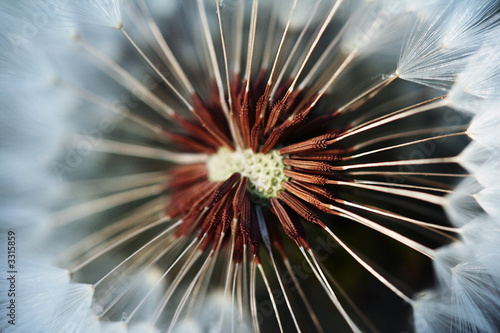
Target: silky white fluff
(30, 139)
(482, 161)
(461, 205)
(437, 51)
(34, 282)
(482, 236)
(92, 12)
(448, 257)
(485, 128)
(20, 187)
(46, 299)
(304, 13)
(216, 313)
(374, 26)
(478, 87)
(433, 55)
(31, 132)
(488, 173)
(131, 290)
(475, 293)
(482, 233)
(74, 309)
(474, 156)
(489, 199)
(468, 279)
(431, 313)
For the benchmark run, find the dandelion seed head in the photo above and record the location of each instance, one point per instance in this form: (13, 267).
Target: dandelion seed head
(253, 166)
(265, 172)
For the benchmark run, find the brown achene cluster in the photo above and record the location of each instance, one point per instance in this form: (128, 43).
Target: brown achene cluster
(215, 209)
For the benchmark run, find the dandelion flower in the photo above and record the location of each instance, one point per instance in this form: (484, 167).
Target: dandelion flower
(251, 166)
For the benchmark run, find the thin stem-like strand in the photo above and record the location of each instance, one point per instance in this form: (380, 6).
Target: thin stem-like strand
(157, 71)
(370, 269)
(174, 64)
(120, 75)
(163, 233)
(432, 138)
(92, 207)
(128, 149)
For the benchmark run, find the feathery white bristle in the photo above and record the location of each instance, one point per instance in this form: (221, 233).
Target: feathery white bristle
(474, 156)
(483, 162)
(446, 258)
(489, 173)
(129, 291)
(482, 236)
(477, 88)
(33, 127)
(426, 9)
(302, 13)
(92, 12)
(475, 296)
(445, 312)
(83, 71)
(431, 313)
(483, 232)
(33, 283)
(27, 69)
(43, 64)
(461, 206)
(468, 22)
(216, 313)
(31, 133)
(373, 26)
(437, 51)
(74, 309)
(485, 127)
(489, 199)
(34, 134)
(23, 20)
(468, 275)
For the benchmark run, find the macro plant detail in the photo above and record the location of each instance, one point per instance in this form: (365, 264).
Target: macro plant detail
(251, 165)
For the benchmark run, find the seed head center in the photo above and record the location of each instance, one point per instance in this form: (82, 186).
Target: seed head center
(265, 172)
